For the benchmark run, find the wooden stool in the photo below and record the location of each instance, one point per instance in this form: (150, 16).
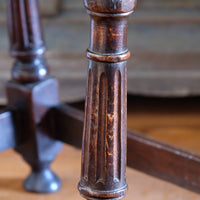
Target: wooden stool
(35, 123)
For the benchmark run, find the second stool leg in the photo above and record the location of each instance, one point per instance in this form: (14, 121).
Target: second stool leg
(31, 93)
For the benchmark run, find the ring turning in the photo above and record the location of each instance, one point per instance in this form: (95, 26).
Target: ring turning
(108, 58)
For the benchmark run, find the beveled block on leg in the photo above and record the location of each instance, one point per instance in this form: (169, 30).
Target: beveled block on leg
(32, 101)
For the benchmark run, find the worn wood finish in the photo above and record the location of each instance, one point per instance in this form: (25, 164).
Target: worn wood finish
(164, 161)
(103, 174)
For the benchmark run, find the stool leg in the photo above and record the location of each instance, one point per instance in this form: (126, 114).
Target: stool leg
(31, 92)
(103, 173)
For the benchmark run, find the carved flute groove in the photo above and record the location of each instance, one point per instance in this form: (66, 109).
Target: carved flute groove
(103, 173)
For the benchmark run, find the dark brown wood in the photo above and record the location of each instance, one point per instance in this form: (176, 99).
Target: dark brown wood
(26, 41)
(164, 161)
(103, 174)
(31, 93)
(69, 132)
(31, 102)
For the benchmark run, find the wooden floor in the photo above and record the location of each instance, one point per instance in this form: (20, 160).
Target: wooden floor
(174, 121)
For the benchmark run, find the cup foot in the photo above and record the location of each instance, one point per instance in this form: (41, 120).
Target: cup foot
(45, 181)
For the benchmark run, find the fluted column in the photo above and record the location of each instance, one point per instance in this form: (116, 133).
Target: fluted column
(26, 41)
(103, 173)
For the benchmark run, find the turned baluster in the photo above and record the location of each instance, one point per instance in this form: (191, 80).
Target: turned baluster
(26, 41)
(103, 173)
(31, 93)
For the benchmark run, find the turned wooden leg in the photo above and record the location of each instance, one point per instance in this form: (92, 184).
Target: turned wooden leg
(31, 93)
(104, 138)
